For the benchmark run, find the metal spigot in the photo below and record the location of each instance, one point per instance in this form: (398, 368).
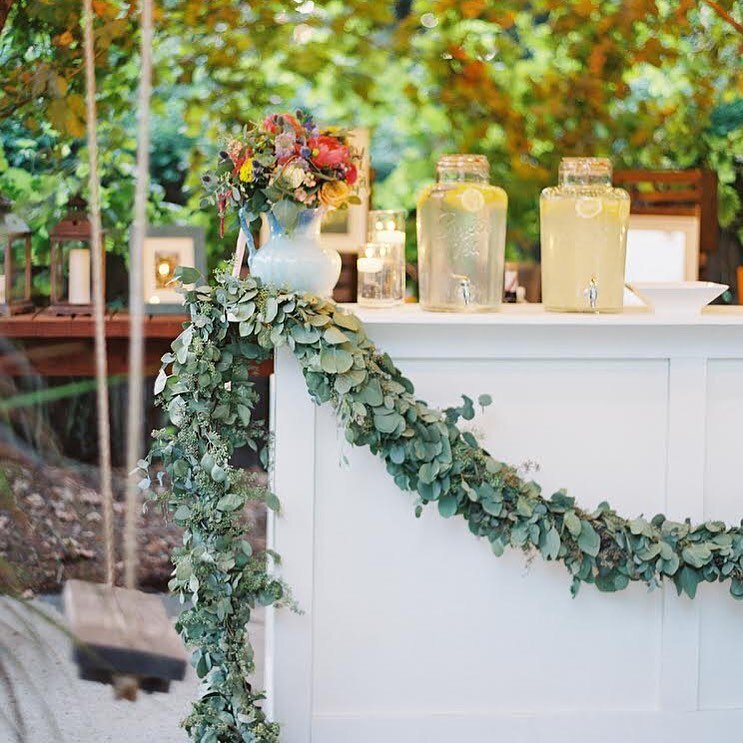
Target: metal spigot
(465, 287)
(592, 292)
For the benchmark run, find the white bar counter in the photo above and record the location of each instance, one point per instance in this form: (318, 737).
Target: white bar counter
(414, 632)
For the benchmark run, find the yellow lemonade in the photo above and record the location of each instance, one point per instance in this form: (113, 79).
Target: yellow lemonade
(461, 239)
(583, 241)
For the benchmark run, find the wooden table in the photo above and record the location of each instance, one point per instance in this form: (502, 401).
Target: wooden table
(59, 346)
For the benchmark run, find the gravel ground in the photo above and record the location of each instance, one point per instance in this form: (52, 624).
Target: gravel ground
(54, 532)
(57, 707)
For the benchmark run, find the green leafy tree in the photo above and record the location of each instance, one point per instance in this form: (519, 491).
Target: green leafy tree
(651, 83)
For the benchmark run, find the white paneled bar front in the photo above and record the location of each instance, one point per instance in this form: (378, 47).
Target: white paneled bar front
(413, 632)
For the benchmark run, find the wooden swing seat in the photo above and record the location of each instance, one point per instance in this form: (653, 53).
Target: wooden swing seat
(123, 637)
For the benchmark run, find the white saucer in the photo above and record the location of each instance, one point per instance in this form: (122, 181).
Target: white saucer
(677, 297)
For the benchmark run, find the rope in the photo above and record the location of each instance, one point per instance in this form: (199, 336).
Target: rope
(136, 298)
(99, 298)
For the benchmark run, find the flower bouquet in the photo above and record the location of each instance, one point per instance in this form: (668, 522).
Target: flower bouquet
(284, 165)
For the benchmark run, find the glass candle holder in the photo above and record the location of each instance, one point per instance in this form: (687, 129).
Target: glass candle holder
(386, 226)
(381, 262)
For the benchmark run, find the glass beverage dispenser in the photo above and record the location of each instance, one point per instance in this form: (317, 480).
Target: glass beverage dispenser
(461, 238)
(584, 238)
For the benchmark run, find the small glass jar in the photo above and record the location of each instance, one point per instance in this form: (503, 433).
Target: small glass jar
(583, 224)
(381, 262)
(461, 238)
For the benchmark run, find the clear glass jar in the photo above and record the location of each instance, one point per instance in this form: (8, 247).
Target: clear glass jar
(583, 224)
(381, 262)
(461, 238)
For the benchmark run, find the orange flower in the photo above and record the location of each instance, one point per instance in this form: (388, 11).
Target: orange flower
(334, 193)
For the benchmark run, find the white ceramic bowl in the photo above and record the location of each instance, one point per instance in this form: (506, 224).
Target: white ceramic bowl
(677, 297)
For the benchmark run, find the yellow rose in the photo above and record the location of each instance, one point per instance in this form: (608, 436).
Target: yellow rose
(246, 171)
(334, 193)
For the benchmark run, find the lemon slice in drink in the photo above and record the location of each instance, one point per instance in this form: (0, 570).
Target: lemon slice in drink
(473, 198)
(588, 207)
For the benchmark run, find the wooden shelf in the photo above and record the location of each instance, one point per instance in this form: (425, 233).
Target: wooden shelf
(62, 346)
(44, 325)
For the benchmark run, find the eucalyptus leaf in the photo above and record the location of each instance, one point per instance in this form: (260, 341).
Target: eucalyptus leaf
(346, 320)
(447, 506)
(588, 539)
(550, 546)
(572, 523)
(334, 336)
(697, 555)
(160, 381)
(335, 360)
(271, 309)
(186, 274)
(230, 502)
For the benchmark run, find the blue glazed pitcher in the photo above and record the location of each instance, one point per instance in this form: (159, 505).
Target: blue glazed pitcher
(293, 258)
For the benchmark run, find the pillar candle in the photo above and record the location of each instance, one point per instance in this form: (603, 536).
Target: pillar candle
(2, 288)
(79, 282)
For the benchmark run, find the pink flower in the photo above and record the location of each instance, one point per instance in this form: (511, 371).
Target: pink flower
(235, 151)
(286, 146)
(328, 152)
(352, 174)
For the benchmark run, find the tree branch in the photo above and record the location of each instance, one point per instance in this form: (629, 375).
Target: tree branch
(5, 6)
(725, 15)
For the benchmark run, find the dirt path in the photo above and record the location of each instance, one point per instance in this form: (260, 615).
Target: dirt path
(55, 530)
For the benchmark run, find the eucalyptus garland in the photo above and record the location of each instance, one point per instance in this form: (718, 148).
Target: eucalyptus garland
(205, 388)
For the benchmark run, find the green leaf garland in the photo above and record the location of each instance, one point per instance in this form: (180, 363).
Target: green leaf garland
(205, 389)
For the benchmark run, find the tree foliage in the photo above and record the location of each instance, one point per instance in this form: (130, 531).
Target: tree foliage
(643, 81)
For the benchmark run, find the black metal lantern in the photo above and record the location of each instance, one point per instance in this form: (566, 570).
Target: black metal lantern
(15, 262)
(71, 271)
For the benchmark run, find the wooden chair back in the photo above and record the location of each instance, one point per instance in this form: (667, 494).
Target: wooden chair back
(677, 193)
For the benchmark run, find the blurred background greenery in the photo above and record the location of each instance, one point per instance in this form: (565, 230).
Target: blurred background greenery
(650, 83)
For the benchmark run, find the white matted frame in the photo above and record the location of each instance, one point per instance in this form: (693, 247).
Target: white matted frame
(661, 247)
(171, 246)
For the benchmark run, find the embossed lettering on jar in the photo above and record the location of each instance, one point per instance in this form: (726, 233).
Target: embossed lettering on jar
(461, 238)
(584, 236)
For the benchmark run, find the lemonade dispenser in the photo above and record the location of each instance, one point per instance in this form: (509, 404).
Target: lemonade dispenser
(583, 236)
(461, 238)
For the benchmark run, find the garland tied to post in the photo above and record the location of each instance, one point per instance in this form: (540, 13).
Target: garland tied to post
(205, 388)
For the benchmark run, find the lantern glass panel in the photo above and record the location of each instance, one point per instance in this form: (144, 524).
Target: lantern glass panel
(14, 257)
(18, 260)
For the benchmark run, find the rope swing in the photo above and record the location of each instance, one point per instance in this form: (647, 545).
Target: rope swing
(124, 637)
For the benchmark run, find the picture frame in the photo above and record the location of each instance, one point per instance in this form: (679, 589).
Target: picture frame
(345, 229)
(661, 247)
(165, 248)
